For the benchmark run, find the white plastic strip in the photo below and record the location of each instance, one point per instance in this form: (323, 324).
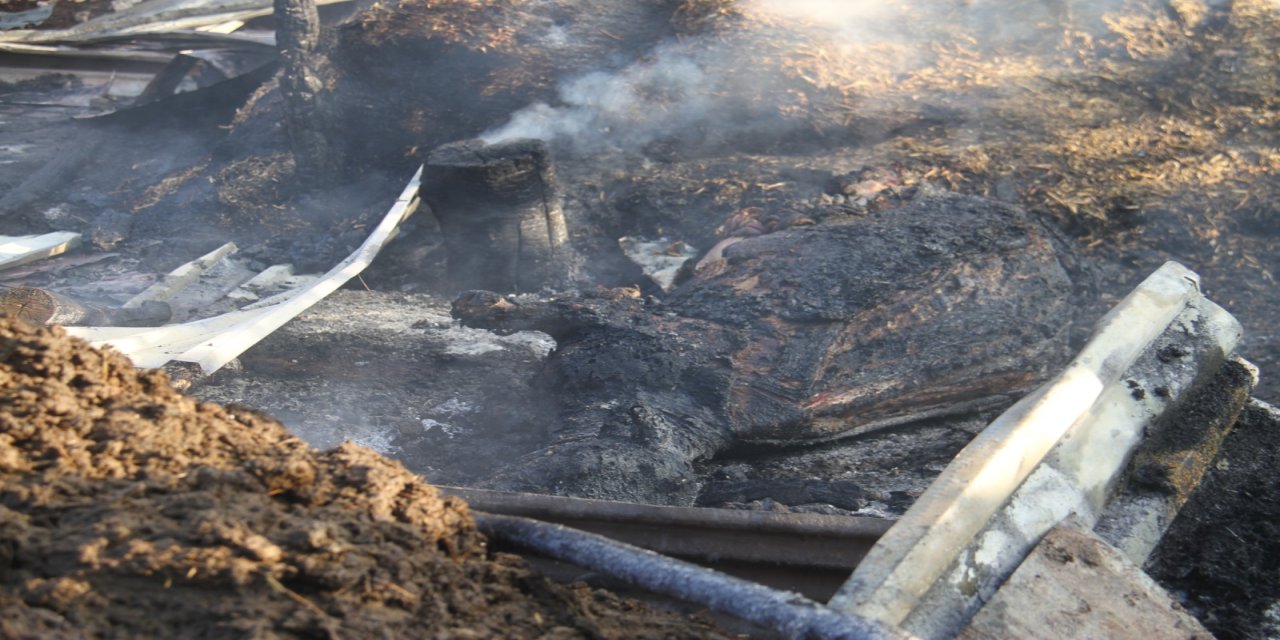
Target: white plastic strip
(213, 342)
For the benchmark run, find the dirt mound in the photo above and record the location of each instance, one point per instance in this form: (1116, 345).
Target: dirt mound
(130, 510)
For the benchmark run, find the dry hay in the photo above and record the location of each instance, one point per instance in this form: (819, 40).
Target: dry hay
(256, 190)
(1051, 110)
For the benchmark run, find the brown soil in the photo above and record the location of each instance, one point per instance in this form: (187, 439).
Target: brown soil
(128, 510)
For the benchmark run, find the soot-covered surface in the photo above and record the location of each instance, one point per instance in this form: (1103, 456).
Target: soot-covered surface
(796, 336)
(1222, 554)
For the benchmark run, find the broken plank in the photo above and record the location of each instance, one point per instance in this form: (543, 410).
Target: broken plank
(19, 250)
(273, 280)
(182, 277)
(1074, 585)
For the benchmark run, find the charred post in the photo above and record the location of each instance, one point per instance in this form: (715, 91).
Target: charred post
(499, 210)
(303, 88)
(42, 307)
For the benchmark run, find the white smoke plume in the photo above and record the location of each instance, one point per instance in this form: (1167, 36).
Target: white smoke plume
(620, 111)
(703, 94)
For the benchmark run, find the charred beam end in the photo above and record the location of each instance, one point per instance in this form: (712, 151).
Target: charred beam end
(499, 210)
(1168, 466)
(302, 87)
(41, 307)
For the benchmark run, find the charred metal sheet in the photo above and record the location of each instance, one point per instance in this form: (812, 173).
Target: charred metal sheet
(23, 19)
(150, 16)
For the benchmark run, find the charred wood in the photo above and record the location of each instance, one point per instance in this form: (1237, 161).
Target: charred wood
(803, 335)
(303, 86)
(499, 210)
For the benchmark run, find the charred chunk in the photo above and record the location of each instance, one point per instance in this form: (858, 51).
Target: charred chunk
(805, 334)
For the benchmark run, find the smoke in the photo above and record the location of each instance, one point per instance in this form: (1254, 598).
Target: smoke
(620, 111)
(859, 20)
(687, 96)
(757, 85)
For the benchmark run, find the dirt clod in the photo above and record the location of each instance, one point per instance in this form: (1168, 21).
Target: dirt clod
(130, 510)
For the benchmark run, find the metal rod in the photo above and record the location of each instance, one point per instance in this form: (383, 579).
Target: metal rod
(785, 612)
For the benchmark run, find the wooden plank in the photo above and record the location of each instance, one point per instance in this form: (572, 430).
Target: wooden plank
(182, 277)
(1082, 471)
(910, 559)
(18, 250)
(1074, 585)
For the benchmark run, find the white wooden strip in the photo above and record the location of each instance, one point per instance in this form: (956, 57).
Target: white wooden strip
(182, 277)
(16, 250)
(908, 560)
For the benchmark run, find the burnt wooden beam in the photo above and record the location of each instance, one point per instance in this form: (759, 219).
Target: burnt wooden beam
(303, 79)
(43, 307)
(499, 211)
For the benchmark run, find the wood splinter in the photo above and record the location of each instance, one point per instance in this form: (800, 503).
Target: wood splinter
(43, 307)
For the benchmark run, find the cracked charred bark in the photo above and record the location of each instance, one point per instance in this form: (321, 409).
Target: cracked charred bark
(303, 85)
(499, 208)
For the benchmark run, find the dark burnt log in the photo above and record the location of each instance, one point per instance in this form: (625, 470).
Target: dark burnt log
(499, 210)
(800, 336)
(42, 307)
(303, 86)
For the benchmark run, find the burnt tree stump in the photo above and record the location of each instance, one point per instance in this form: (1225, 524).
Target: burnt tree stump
(303, 79)
(500, 213)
